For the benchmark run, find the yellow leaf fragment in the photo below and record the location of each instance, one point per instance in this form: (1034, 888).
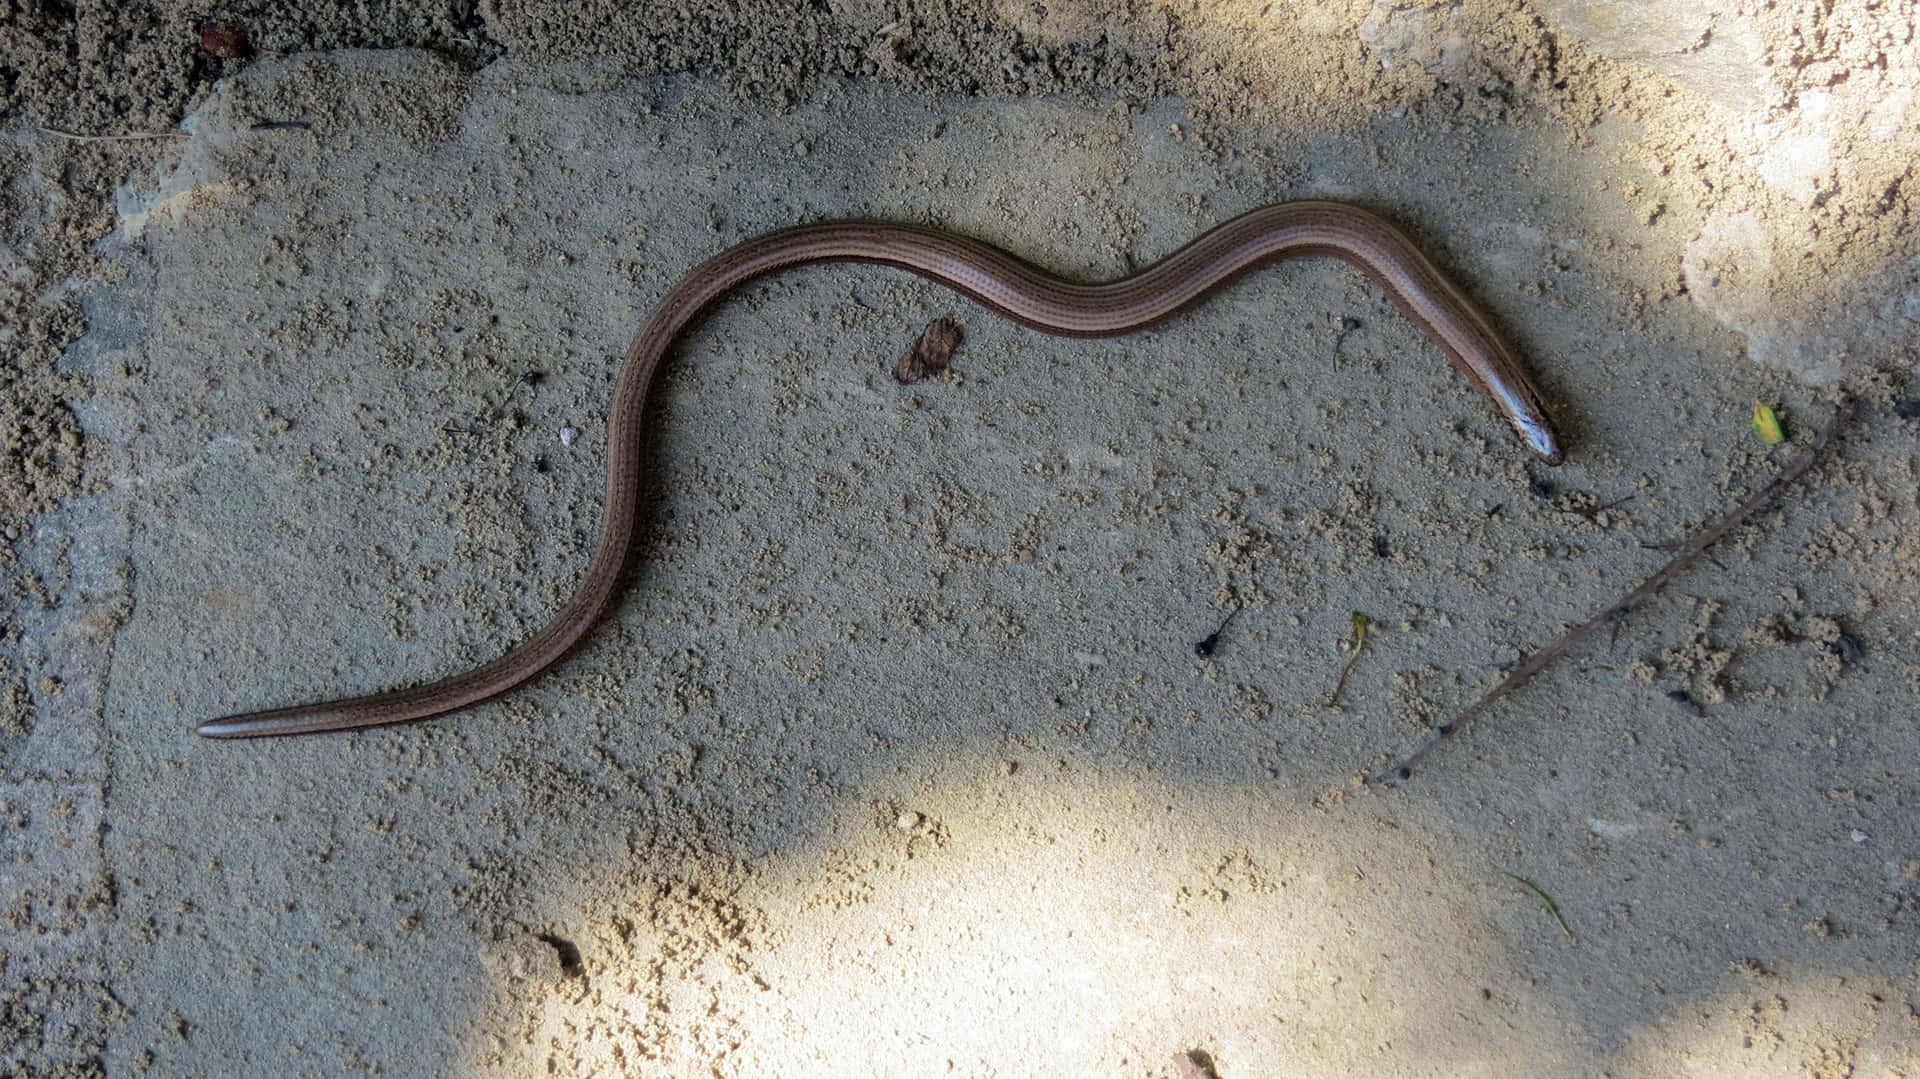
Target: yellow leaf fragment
(1359, 638)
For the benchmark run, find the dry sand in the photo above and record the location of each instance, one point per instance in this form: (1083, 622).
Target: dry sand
(896, 758)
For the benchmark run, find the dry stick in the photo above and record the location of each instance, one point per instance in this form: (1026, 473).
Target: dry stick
(1701, 540)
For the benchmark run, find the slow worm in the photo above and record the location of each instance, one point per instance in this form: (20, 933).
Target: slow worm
(995, 280)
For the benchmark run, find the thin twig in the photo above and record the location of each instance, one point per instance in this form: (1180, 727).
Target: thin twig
(1701, 540)
(74, 137)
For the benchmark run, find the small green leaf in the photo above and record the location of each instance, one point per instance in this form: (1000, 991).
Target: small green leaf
(1767, 425)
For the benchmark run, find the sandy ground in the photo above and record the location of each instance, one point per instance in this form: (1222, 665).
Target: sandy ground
(896, 758)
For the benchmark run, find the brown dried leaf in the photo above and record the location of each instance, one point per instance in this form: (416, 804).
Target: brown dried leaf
(929, 355)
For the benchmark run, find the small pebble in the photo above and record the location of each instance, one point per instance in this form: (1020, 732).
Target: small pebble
(569, 435)
(907, 821)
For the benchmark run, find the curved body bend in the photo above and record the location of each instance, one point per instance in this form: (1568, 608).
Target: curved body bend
(1000, 282)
